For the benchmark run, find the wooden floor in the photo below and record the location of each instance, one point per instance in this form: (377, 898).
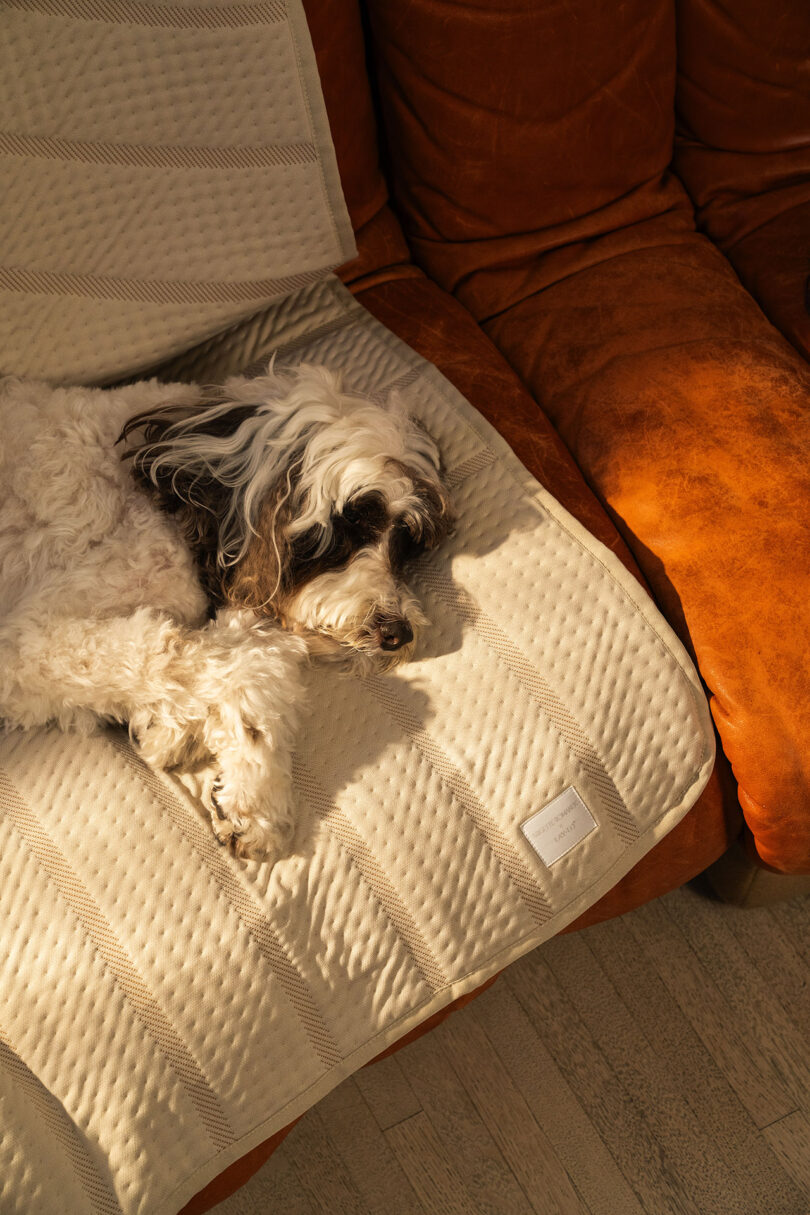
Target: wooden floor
(655, 1065)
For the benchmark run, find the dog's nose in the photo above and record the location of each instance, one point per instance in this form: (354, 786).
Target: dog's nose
(394, 634)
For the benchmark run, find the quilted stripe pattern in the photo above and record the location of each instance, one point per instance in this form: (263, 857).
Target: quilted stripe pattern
(70, 1165)
(165, 170)
(163, 1006)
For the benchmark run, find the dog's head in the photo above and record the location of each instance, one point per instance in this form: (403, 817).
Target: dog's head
(302, 502)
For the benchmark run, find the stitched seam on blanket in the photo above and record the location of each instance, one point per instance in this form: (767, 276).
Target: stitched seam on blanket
(464, 606)
(59, 1127)
(510, 860)
(118, 962)
(369, 867)
(250, 912)
(157, 156)
(115, 12)
(401, 381)
(475, 463)
(151, 291)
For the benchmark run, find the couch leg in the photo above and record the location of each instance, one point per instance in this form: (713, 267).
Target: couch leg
(737, 879)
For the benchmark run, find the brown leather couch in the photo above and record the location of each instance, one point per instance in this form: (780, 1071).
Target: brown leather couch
(531, 219)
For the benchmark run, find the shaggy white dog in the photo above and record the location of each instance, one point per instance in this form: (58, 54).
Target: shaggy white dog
(170, 557)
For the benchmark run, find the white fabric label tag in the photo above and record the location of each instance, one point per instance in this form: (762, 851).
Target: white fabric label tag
(558, 827)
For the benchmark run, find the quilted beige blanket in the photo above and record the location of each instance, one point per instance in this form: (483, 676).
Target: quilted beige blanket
(164, 1007)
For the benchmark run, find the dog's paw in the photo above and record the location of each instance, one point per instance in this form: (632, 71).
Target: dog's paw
(256, 823)
(163, 741)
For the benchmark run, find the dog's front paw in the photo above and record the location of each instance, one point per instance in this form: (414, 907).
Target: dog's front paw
(256, 819)
(162, 740)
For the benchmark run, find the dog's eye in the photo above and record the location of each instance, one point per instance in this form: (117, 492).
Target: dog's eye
(361, 522)
(308, 558)
(363, 517)
(405, 546)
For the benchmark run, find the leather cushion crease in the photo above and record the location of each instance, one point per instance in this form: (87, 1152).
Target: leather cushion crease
(686, 411)
(773, 262)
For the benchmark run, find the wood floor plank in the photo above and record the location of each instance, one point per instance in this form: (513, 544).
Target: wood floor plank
(693, 1169)
(793, 919)
(459, 1128)
(320, 1170)
(573, 1136)
(726, 1036)
(364, 1150)
(522, 1143)
(778, 961)
(429, 1168)
(613, 1111)
(387, 1091)
(734, 1171)
(274, 1190)
(790, 1140)
(745, 991)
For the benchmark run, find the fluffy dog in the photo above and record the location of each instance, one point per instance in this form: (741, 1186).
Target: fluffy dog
(171, 556)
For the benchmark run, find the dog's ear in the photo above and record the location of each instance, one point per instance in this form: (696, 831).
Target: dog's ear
(165, 466)
(147, 434)
(189, 490)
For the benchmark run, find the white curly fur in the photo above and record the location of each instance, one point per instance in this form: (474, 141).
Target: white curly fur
(102, 615)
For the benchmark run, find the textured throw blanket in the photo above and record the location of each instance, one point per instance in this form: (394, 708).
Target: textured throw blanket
(164, 1007)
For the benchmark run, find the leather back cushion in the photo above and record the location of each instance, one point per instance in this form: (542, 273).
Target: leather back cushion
(521, 132)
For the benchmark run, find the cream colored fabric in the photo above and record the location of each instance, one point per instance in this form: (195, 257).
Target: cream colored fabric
(164, 1007)
(165, 170)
